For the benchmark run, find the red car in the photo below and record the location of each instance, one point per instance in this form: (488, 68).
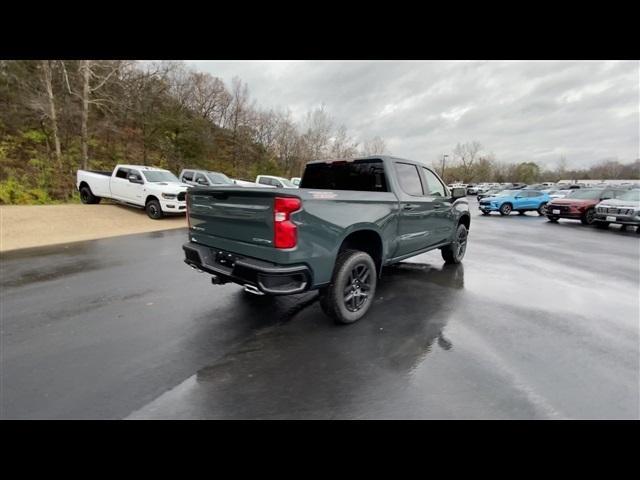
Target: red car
(580, 204)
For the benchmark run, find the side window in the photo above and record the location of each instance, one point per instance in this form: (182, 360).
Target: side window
(264, 181)
(122, 173)
(276, 183)
(188, 176)
(200, 179)
(409, 179)
(434, 186)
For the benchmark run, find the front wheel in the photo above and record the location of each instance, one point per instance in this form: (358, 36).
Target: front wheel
(353, 286)
(505, 209)
(154, 210)
(454, 252)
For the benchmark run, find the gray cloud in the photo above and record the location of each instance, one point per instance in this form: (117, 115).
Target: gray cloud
(520, 111)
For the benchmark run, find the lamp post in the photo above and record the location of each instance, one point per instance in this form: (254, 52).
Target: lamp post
(443, 158)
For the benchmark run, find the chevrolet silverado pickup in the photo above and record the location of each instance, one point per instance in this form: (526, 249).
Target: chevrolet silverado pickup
(347, 220)
(156, 190)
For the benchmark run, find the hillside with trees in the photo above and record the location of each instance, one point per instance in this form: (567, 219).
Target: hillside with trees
(57, 116)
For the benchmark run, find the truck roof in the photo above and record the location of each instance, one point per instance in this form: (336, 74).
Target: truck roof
(370, 157)
(143, 167)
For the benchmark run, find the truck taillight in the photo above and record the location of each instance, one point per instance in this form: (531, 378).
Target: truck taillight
(285, 233)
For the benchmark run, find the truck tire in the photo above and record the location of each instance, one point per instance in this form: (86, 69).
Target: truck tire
(154, 210)
(352, 289)
(505, 209)
(87, 197)
(454, 252)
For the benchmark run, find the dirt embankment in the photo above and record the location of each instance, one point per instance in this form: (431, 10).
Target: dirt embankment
(39, 225)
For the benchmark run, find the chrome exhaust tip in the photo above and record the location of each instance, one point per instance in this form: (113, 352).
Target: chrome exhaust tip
(252, 289)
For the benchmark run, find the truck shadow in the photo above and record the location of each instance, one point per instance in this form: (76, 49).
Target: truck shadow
(312, 368)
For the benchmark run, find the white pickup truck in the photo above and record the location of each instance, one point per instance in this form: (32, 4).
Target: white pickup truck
(156, 190)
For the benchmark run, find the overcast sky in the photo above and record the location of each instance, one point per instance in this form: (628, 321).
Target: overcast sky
(585, 110)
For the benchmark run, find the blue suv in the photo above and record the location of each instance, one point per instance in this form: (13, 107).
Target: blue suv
(520, 201)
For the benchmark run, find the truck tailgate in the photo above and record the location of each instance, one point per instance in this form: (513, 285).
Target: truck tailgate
(235, 213)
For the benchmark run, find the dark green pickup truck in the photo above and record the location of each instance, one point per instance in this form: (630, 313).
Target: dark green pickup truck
(347, 220)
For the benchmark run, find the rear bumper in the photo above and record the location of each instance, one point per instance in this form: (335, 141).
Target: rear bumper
(267, 277)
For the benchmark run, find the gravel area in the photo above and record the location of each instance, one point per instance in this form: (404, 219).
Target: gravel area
(25, 226)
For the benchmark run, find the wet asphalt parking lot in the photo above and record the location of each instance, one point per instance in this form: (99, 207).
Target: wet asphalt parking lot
(540, 322)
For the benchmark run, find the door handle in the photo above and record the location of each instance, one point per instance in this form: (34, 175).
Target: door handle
(408, 206)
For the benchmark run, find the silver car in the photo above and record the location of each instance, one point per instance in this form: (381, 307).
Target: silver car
(625, 210)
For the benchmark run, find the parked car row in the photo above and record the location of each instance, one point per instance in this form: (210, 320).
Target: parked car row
(159, 192)
(600, 206)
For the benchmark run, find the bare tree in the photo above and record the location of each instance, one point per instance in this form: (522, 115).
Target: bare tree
(467, 153)
(88, 74)
(343, 146)
(46, 79)
(374, 146)
(318, 128)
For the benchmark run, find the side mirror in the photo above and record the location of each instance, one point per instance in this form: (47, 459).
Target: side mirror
(134, 179)
(458, 192)
(202, 181)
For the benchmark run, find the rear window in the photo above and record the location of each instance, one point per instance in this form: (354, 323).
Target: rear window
(359, 175)
(122, 173)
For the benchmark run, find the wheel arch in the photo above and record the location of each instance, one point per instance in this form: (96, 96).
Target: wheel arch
(149, 198)
(367, 240)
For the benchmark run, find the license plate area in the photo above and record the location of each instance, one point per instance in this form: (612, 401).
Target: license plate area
(555, 211)
(611, 219)
(226, 259)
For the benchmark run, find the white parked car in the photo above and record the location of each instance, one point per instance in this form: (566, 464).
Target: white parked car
(204, 178)
(156, 190)
(274, 182)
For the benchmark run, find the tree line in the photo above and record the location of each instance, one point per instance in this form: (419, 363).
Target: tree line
(58, 116)
(469, 163)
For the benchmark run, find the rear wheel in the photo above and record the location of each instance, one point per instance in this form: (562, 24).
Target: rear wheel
(154, 210)
(589, 217)
(87, 197)
(454, 252)
(353, 286)
(542, 209)
(506, 209)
